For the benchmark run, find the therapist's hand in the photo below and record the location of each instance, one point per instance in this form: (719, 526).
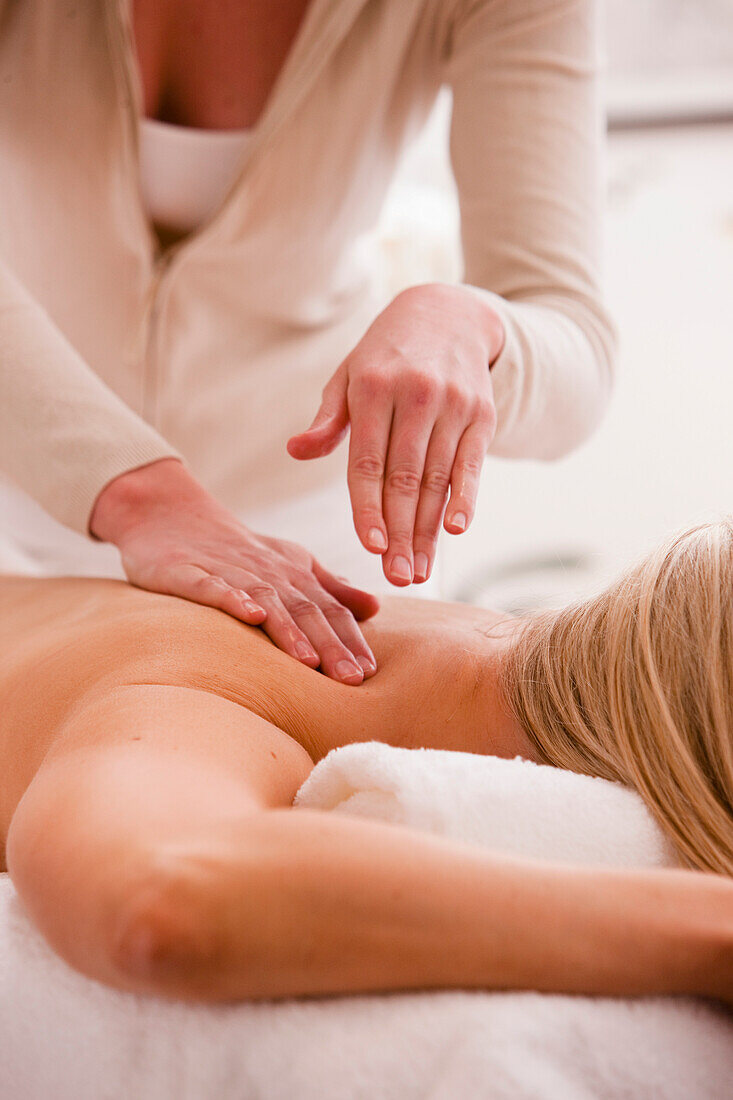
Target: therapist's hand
(175, 538)
(416, 391)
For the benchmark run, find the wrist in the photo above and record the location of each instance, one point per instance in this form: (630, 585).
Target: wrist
(138, 495)
(469, 302)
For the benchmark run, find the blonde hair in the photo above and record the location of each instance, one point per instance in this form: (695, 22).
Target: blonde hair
(636, 685)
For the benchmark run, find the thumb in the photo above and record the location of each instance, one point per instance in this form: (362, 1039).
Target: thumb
(330, 423)
(361, 604)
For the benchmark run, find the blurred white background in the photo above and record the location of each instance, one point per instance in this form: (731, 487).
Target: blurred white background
(663, 458)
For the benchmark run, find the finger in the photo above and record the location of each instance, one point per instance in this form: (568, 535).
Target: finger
(330, 424)
(341, 620)
(434, 494)
(465, 478)
(371, 418)
(191, 582)
(361, 604)
(280, 625)
(337, 659)
(411, 429)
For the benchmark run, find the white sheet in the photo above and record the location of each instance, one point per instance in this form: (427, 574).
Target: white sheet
(65, 1037)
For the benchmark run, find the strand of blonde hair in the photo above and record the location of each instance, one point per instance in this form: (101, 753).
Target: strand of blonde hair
(636, 685)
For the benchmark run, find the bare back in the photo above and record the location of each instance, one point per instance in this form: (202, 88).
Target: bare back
(62, 640)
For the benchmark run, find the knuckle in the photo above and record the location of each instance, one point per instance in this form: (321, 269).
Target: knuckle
(403, 480)
(262, 590)
(422, 388)
(371, 384)
(299, 605)
(301, 578)
(333, 610)
(400, 539)
(209, 583)
(471, 466)
(456, 396)
(365, 519)
(436, 479)
(367, 516)
(485, 413)
(368, 466)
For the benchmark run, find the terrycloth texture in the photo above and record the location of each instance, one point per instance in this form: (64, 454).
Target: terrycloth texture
(69, 1038)
(518, 807)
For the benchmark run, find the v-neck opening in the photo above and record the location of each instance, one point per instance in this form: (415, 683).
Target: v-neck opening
(324, 23)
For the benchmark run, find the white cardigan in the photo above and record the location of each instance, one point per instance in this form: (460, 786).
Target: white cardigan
(112, 355)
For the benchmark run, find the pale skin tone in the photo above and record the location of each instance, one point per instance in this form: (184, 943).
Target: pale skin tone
(151, 750)
(415, 394)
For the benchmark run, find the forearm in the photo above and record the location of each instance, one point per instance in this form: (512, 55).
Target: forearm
(554, 377)
(322, 904)
(63, 433)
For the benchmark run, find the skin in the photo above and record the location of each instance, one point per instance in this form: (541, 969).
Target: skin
(151, 750)
(415, 394)
(107, 634)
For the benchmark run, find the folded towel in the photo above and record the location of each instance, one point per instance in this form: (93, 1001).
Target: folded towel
(66, 1037)
(515, 806)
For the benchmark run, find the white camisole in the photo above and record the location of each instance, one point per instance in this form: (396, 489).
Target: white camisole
(185, 173)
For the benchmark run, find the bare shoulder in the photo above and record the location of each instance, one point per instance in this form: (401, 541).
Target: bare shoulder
(65, 639)
(90, 665)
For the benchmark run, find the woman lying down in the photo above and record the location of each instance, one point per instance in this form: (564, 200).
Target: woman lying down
(151, 749)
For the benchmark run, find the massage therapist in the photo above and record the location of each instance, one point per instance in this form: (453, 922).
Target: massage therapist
(188, 271)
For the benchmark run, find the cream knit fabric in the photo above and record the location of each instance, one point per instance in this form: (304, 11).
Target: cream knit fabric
(112, 355)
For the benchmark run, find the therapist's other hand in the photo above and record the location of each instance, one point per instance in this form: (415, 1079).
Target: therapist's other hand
(175, 538)
(417, 393)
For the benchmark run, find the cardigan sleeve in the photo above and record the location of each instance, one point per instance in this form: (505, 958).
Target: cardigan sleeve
(526, 152)
(63, 434)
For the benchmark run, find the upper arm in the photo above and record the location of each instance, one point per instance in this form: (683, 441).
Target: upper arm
(61, 426)
(136, 776)
(525, 144)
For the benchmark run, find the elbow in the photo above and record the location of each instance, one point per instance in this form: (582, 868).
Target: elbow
(588, 398)
(602, 341)
(159, 942)
(565, 382)
(208, 927)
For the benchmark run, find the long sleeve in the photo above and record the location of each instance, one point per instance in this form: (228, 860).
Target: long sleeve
(63, 434)
(526, 152)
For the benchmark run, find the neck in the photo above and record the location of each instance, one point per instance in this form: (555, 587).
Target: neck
(439, 684)
(494, 729)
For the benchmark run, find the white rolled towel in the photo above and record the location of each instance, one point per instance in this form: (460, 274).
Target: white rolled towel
(65, 1036)
(514, 806)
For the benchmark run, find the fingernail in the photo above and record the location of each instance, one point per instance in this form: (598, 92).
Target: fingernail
(376, 539)
(400, 568)
(347, 670)
(366, 665)
(304, 651)
(459, 520)
(421, 566)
